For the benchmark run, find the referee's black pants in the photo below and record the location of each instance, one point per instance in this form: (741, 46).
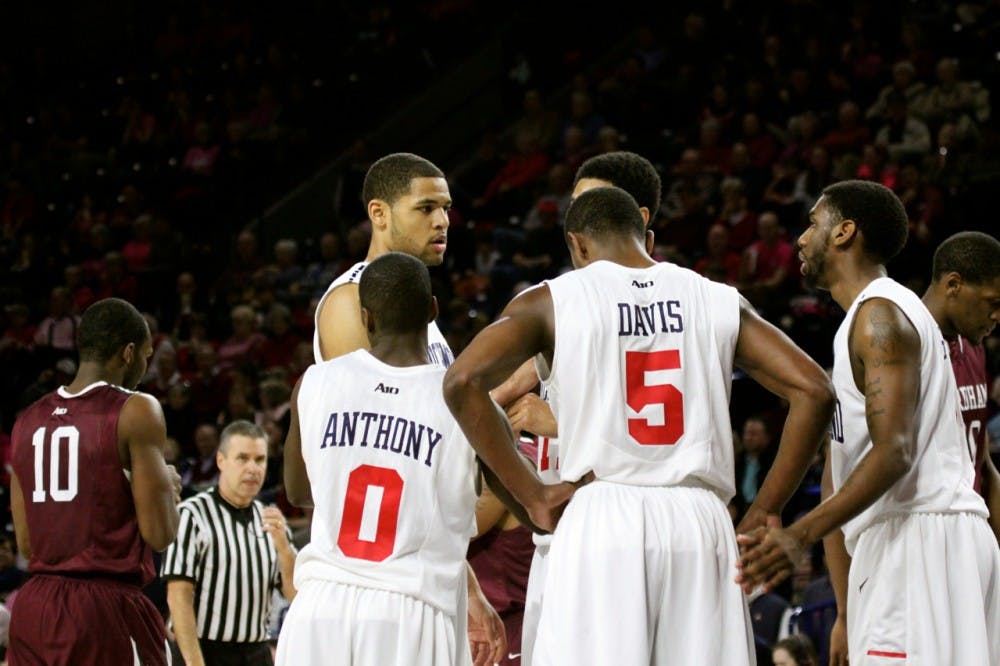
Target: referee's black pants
(225, 653)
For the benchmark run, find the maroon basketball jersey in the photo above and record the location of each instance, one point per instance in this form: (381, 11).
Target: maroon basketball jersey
(968, 362)
(77, 499)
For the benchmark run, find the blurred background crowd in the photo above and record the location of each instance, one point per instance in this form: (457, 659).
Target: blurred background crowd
(165, 155)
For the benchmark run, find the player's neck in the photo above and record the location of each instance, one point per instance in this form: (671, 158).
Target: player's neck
(401, 350)
(934, 299)
(851, 279)
(91, 373)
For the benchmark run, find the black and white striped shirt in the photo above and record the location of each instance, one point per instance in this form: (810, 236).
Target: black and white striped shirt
(232, 562)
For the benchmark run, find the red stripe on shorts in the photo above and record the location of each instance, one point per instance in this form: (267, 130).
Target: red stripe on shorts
(882, 653)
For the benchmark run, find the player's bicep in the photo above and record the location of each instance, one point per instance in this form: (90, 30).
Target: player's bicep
(297, 486)
(887, 346)
(523, 329)
(340, 329)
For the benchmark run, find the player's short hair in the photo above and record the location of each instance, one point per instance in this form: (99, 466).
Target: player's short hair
(876, 210)
(107, 327)
(972, 254)
(243, 428)
(389, 177)
(629, 171)
(605, 211)
(396, 289)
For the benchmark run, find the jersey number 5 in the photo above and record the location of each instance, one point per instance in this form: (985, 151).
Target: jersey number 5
(639, 394)
(371, 510)
(71, 436)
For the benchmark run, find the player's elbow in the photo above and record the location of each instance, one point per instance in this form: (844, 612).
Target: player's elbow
(899, 459)
(821, 393)
(159, 534)
(298, 496)
(458, 381)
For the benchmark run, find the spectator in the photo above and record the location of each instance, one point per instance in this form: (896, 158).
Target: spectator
(903, 135)
(56, 334)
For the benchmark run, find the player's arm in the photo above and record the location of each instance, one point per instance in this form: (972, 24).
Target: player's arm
(155, 485)
(777, 364)
(21, 534)
(486, 634)
(524, 379)
(885, 345)
(297, 486)
(180, 599)
(339, 323)
(524, 328)
(838, 562)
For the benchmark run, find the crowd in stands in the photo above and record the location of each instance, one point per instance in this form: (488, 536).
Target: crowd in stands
(138, 187)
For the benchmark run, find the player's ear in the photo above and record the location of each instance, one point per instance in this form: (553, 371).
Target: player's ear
(645, 215)
(650, 241)
(379, 212)
(434, 309)
(128, 353)
(844, 232)
(577, 245)
(953, 283)
(367, 320)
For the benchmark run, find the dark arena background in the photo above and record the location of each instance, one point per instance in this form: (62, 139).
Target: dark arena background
(204, 161)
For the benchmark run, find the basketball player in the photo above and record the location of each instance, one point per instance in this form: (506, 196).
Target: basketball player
(531, 412)
(641, 356)
(964, 299)
(392, 480)
(407, 200)
(91, 494)
(924, 579)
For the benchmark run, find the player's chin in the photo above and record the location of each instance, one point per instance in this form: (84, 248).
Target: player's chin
(435, 256)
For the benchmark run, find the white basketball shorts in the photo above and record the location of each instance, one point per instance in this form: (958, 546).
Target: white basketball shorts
(643, 575)
(924, 590)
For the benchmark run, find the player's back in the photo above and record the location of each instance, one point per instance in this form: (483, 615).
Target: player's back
(941, 473)
(392, 479)
(77, 498)
(641, 375)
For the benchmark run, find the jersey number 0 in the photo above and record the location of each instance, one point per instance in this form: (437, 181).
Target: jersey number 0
(371, 511)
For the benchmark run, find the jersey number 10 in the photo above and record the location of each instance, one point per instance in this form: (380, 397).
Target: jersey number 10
(71, 436)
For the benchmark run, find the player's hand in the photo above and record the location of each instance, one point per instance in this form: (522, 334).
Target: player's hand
(547, 512)
(838, 642)
(487, 637)
(524, 379)
(273, 522)
(769, 557)
(532, 414)
(754, 518)
(175, 482)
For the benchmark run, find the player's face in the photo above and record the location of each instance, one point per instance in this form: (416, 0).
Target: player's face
(814, 243)
(242, 468)
(977, 309)
(136, 370)
(418, 221)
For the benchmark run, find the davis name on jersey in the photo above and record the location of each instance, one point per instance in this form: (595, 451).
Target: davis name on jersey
(646, 320)
(381, 431)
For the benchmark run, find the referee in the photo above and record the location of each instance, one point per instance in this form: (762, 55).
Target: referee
(231, 553)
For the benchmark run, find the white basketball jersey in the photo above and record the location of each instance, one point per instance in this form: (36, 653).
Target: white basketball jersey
(641, 375)
(941, 475)
(437, 347)
(392, 479)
